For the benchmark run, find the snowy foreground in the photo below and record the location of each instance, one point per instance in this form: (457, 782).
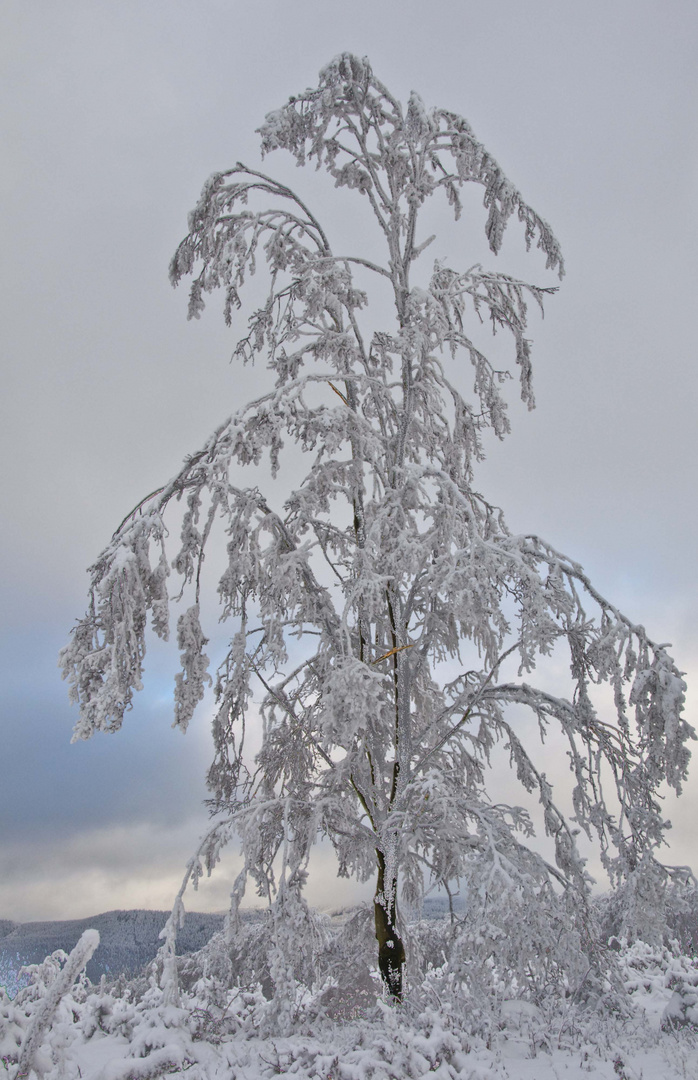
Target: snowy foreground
(61, 1027)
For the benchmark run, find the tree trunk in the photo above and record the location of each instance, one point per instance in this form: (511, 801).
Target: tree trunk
(391, 951)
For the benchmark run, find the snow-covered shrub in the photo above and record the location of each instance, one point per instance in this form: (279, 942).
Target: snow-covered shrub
(682, 916)
(682, 1009)
(50, 1004)
(661, 982)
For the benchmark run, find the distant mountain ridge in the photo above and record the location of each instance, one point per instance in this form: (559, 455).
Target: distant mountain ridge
(128, 939)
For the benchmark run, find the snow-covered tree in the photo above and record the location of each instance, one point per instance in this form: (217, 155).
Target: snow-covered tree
(378, 611)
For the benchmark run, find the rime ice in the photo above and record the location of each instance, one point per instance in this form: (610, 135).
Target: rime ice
(384, 609)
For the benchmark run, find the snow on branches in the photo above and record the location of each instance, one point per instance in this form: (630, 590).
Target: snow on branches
(383, 610)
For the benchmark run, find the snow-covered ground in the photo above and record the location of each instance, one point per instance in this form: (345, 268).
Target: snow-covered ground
(65, 1030)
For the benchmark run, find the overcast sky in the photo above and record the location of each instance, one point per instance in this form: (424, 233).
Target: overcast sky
(113, 115)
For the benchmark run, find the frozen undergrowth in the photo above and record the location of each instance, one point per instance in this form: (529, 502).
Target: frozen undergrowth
(127, 1031)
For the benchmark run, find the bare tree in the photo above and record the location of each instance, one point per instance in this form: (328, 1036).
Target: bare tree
(377, 610)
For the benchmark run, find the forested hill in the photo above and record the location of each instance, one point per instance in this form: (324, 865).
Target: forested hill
(128, 939)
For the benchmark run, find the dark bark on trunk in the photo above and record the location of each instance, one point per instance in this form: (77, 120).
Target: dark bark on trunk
(391, 951)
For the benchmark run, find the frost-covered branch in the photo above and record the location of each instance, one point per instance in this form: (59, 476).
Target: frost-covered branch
(46, 1009)
(388, 597)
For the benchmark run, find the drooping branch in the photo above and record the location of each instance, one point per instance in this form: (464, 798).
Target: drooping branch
(386, 595)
